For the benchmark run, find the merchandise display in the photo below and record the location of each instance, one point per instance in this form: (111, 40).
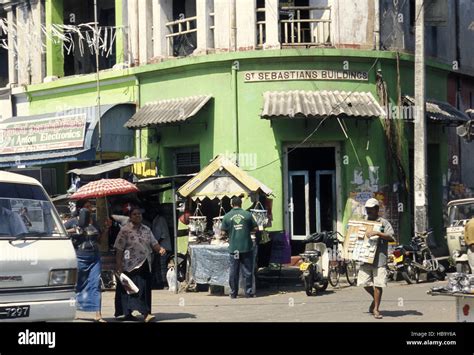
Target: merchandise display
(357, 245)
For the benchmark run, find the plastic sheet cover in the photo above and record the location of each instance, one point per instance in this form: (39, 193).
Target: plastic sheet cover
(210, 264)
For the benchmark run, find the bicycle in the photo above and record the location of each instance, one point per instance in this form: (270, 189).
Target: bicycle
(338, 265)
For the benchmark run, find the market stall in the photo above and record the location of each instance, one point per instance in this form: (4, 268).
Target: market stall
(207, 196)
(460, 287)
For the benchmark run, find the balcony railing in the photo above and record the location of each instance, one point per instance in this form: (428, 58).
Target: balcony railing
(181, 41)
(305, 25)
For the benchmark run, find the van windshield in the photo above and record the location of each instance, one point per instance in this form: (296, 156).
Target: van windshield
(459, 214)
(26, 212)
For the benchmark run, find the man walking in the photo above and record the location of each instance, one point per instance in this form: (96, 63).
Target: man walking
(238, 224)
(373, 277)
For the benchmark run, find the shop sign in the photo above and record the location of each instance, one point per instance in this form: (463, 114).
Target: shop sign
(287, 75)
(56, 133)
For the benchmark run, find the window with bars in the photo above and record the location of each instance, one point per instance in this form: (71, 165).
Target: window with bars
(187, 161)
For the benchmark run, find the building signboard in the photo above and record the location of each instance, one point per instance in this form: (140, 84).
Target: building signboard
(290, 75)
(46, 134)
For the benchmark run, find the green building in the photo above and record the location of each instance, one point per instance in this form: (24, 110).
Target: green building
(324, 120)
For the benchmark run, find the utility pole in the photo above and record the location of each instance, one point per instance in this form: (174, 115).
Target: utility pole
(98, 114)
(420, 140)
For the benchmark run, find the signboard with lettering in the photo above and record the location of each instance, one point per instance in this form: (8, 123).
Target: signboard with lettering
(56, 133)
(288, 75)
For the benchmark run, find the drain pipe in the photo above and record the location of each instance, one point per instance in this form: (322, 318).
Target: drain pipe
(235, 69)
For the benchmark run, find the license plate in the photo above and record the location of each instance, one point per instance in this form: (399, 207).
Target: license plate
(398, 260)
(304, 266)
(12, 312)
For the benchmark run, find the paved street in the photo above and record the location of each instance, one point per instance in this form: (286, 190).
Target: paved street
(401, 303)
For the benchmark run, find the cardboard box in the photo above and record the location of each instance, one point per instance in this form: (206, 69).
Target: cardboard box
(357, 246)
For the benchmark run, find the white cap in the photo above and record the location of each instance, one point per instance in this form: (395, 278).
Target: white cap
(372, 202)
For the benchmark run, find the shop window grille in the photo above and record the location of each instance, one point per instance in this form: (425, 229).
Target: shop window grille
(187, 162)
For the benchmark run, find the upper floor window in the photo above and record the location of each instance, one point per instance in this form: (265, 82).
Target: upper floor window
(79, 58)
(304, 25)
(182, 38)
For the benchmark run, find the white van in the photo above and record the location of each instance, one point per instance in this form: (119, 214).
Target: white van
(38, 267)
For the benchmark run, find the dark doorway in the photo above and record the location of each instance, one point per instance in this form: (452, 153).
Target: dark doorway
(311, 193)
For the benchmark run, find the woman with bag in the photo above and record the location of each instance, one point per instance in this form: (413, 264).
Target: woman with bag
(88, 290)
(134, 246)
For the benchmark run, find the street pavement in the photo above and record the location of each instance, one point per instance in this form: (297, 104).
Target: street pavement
(288, 302)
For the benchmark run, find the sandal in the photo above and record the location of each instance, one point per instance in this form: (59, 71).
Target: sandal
(149, 318)
(378, 316)
(100, 320)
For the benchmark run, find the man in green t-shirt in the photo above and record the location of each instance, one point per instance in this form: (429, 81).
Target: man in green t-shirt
(238, 224)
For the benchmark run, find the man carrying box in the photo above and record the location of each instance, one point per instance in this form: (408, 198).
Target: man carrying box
(373, 277)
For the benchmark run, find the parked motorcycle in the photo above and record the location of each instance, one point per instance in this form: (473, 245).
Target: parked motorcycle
(315, 265)
(413, 259)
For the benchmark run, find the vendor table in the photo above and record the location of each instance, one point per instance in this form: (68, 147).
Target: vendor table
(210, 264)
(464, 305)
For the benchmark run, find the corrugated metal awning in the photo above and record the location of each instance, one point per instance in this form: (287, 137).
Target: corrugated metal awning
(439, 110)
(105, 168)
(167, 111)
(304, 104)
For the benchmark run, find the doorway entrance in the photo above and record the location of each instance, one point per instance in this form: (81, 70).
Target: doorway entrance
(312, 180)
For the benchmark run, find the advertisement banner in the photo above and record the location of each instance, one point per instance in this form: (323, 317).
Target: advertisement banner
(56, 133)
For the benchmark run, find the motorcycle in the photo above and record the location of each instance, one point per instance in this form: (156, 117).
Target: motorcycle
(413, 259)
(315, 265)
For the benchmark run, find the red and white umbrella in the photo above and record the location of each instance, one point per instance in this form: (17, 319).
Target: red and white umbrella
(104, 188)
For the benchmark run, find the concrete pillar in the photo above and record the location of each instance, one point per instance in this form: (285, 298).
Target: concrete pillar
(246, 24)
(12, 54)
(23, 31)
(134, 55)
(54, 51)
(272, 25)
(145, 25)
(421, 141)
(121, 21)
(204, 34)
(38, 58)
(222, 25)
(162, 14)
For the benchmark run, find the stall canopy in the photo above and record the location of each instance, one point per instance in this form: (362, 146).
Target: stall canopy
(107, 167)
(171, 111)
(308, 104)
(221, 178)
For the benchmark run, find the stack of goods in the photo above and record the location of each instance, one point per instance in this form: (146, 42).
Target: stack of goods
(457, 283)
